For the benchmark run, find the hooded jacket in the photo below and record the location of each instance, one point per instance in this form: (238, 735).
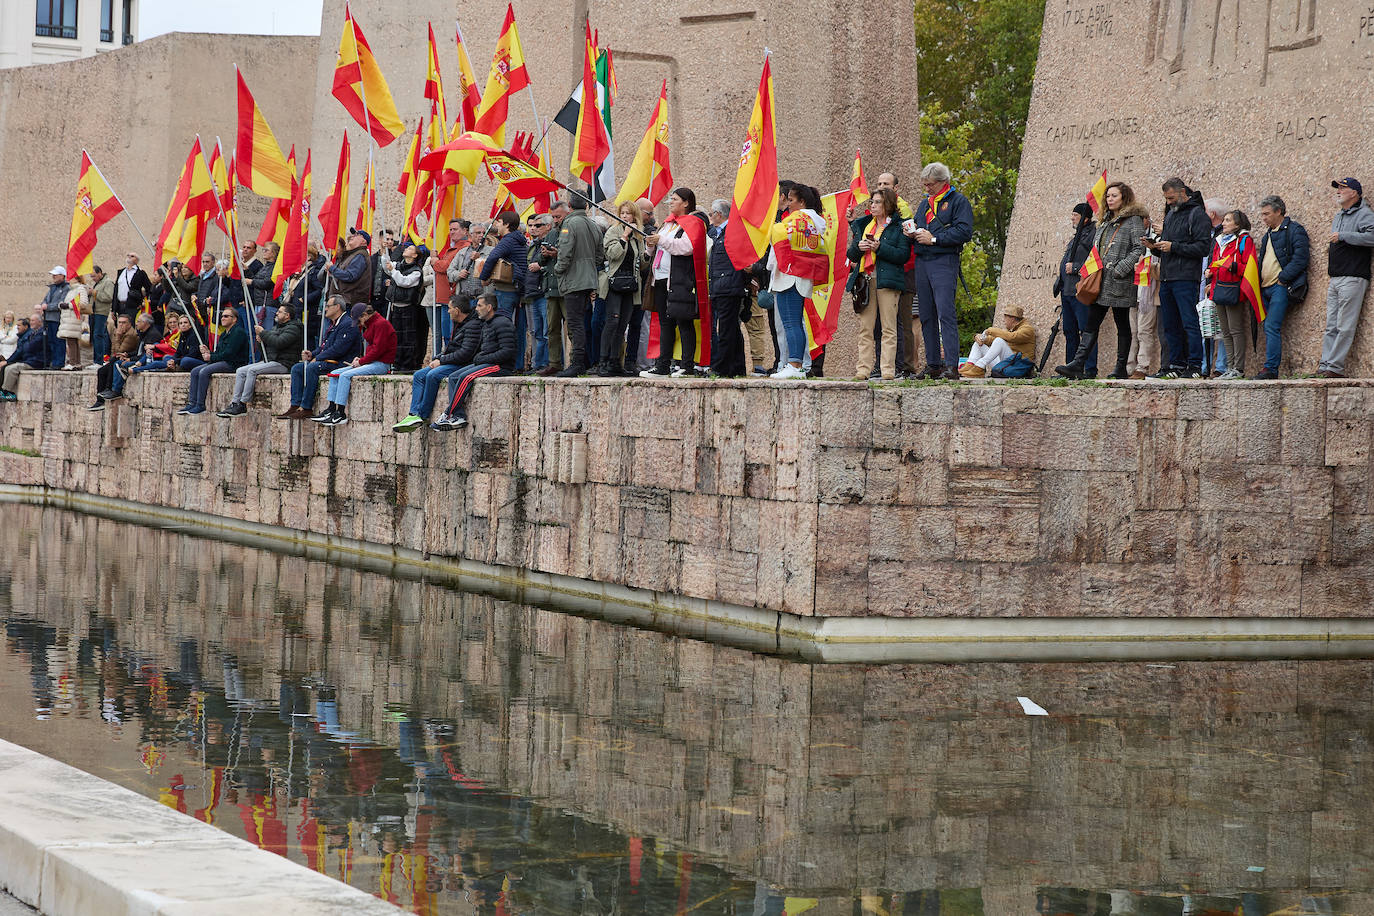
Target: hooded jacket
(1189, 231)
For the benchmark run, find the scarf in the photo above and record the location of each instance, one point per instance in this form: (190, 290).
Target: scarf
(874, 231)
(933, 202)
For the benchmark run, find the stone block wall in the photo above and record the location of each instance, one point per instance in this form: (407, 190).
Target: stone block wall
(827, 498)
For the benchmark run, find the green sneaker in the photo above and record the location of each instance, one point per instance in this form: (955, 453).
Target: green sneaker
(408, 424)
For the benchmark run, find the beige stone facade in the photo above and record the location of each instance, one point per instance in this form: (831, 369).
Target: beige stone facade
(1242, 99)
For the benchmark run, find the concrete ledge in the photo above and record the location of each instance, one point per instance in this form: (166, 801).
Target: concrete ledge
(867, 640)
(72, 844)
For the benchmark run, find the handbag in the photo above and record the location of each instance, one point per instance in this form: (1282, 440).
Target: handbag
(1017, 366)
(503, 272)
(626, 281)
(1090, 287)
(1226, 293)
(858, 293)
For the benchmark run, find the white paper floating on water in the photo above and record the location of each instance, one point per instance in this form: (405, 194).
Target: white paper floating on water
(1031, 708)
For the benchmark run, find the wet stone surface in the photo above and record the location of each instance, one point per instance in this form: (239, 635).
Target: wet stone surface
(455, 753)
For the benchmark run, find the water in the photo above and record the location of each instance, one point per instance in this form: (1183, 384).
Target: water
(459, 754)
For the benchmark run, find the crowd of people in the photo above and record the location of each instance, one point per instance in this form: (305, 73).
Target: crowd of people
(571, 292)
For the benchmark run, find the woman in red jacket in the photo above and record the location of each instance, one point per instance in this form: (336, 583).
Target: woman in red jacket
(379, 352)
(1227, 264)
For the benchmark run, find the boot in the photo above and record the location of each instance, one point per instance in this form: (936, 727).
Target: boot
(1119, 371)
(1077, 367)
(572, 371)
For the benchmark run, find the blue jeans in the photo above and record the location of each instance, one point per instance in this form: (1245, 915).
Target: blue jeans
(440, 328)
(539, 325)
(507, 301)
(57, 349)
(789, 304)
(1275, 308)
(1074, 319)
(522, 321)
(305, 381)
(100, 338)
(189, 363)
(342, 382)
(143, 364)
(424, 388)
(200, 382)
(1178, 320)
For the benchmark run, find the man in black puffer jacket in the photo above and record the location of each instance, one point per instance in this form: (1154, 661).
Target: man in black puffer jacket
(1184, 243)
(495, 356)
(463, 345)
(729, 290)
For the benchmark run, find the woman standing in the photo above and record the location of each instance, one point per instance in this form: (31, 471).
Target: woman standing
(1074, 314)
(1224, 270)
(69, 327)
(619, 286)
(797, 262)
(1118, 243)
(681, 258)
(881, 249)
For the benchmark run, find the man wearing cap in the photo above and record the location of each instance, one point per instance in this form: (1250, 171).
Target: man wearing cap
(51, 306)
(1347, 263)
(997, 344)
(131, 286)
(342, 343)
(353, 274)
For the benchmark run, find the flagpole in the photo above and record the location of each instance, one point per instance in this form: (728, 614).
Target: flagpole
(234, 238)
(544, 139)
(367, 125)
(162, 269)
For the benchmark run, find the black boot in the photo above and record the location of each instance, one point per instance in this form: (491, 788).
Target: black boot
(1119, 371)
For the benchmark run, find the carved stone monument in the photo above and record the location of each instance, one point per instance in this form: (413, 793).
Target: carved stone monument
(1241, 98)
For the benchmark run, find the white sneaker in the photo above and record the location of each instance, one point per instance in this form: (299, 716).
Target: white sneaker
(679, 372)
(1229, 375)
(789, 371)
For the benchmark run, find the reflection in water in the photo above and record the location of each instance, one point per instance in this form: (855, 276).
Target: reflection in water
(459, 754)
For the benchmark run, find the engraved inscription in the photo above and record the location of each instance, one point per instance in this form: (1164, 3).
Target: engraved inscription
(1301, 129)
(1096, 130)
(1288, 26)
(1367, 24)
(1091, 20)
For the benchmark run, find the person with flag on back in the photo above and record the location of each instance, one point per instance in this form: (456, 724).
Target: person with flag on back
(944, 225)
(797, 263)
(1118, 245)
(681, 255)
(1230, 252)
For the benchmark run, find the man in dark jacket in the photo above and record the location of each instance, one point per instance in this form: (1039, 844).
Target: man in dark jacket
(1284, 254)
(131, 287)
(279, 348)
(944, 225)
(261, 284)
(353, 273)
(1183, 244)
(51, 306)
(462, 347)
(307, 284)
(581, 250)
(553, 292)
(1074, 314)
(30, 353)
(729, 290)
(495, 356)
(1348, 266)
(342, 343)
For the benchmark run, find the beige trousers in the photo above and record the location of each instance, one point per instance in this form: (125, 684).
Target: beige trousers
(881, 302)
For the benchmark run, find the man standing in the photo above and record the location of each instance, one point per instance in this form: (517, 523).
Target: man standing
(208, 280)
(102, 300)
(534, 294)
(1347, 262)
(553, 291)
(1184, 242)
(944, 225)
(580, 253)
(56, 351)
(440, 324)
(1284, 254)
(353, 274)
(729, 287)
(131, 287)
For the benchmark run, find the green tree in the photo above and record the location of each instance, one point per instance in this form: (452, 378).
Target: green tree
(976, 68)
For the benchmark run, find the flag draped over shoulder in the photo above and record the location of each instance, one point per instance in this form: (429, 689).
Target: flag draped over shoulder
(1250, 276)
(695, 230)
(822, 309)
(506, 77)
(96, 205)
(756, 183)
(258, 160)
(651, 173)
(333, 215)
(361, 88)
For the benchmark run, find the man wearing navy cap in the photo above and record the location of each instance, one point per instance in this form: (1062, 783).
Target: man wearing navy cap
(1348, 262)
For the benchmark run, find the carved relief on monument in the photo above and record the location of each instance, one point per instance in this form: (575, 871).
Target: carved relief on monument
(1212, 37)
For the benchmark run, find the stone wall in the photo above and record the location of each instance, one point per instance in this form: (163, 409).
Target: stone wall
(1242, 99)
(826, 499)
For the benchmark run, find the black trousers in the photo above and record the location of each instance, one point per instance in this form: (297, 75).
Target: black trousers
(412, 334)
(619, 307)
(575, 306)
(676, 329)
(1088, 341)
(727, 337)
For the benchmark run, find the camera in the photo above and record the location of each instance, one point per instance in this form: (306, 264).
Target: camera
(1151, 236)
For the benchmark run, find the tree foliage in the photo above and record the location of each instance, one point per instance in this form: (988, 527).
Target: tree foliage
(976, 67)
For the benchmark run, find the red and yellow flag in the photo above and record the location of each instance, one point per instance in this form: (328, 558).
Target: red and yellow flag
(1250, 277)
(858, 184)
(361, 88)
(258, 160)
(463, 155)
(279, 213)
(193, 203)
(95, 206)
(590, 145)
(469, 95)
(756, 183)
(1097, 194)
(1092, 265)
(506, 77)
(651, 172)
(1142, 271)
(412, 184)
(434, 83)
(367, 203)
(822, 309)
(333, 215)
(292, 255)
(222, 177)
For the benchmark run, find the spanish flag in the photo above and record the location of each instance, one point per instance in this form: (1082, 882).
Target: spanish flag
(412, 184)
(651, 172)
(756, 183)
(1092, 265)
(96, 205)
(333, 217)
(822, 310)
(1097, 194)
(858, 183)
(468, 94)
(292, 255)
(506, 77)
(434, 83)
(258, 160)
(367, 203)
(463, 155)
(221, 176)
(279, 213)
(194, 204)
(1142, 271)
(1250, 277)
(591, 145)
(361, 88)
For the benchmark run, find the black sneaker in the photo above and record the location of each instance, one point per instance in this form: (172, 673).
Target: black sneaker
(98, 405)
(1265, 375)
(338, 419)
(324, 416)
(236, 409)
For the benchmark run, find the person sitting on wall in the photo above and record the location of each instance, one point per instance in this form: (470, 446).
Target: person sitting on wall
(146, 337)
(379, 352)
(29, 353)
(229, 354)
(462, 347)
(123, 347)
(280, 350)
(495, 357)
(995, 346)
(154, 356)
(341, 343)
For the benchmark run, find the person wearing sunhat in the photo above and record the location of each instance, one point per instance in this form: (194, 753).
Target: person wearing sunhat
(1348, 263)
(998, 344)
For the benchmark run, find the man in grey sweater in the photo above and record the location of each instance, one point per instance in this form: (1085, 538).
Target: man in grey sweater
(1348, 262)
